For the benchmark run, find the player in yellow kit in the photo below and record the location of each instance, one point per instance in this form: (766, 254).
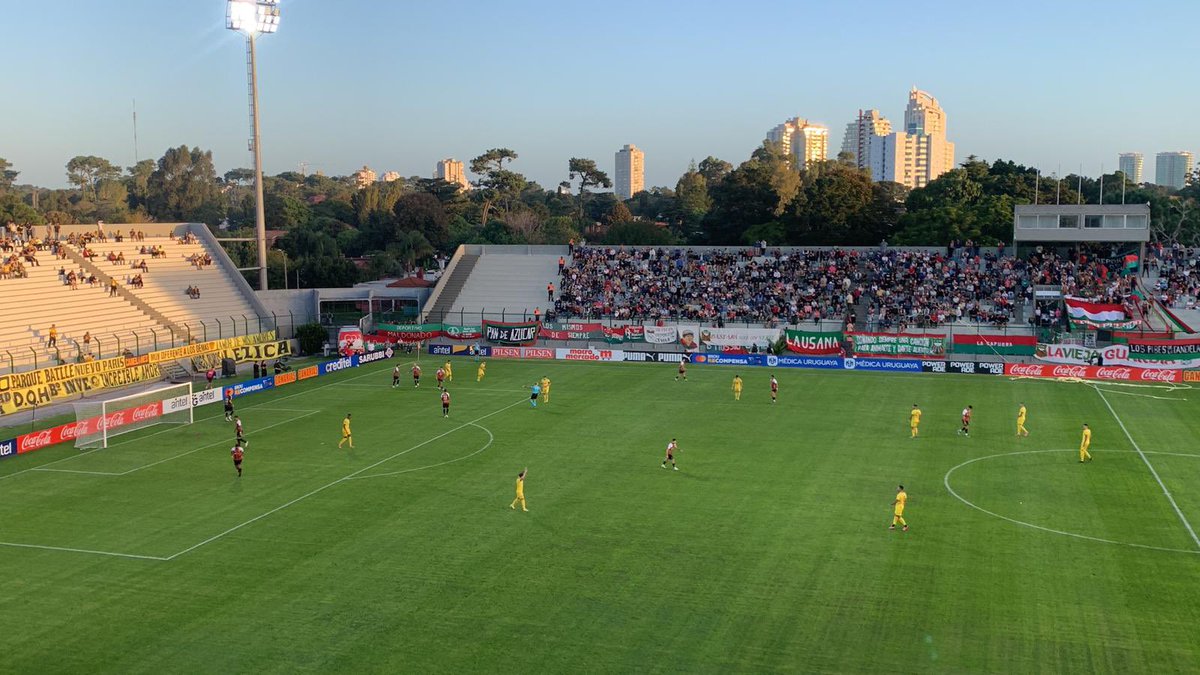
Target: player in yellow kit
(449, 371)
(898, 510)
(737, 387)
(346, 432)
(545, 389)
(520, 491)
(1021, 430)
(481, 371)
(914, 420)
(1084, 443)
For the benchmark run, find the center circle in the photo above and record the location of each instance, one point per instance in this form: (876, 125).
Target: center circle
(1076, 535)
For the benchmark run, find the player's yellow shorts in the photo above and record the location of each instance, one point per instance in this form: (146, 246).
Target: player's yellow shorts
(899, 512)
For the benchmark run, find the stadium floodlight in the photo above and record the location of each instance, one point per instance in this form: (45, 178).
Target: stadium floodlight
(253, 18)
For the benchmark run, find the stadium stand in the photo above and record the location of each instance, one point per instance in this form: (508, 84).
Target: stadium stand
(181, 279)
(506, 279)
(43, 298)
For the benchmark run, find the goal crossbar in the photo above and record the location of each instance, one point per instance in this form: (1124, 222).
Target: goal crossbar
(98, 421)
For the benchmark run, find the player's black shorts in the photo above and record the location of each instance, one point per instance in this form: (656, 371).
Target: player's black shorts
(237, 462)
(445, 406)
(670, 457)
(533, 397)
(228, 407)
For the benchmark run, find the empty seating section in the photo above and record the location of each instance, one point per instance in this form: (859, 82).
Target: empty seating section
(185, 292)
(510, 282)
(216, 308)
(33, 304)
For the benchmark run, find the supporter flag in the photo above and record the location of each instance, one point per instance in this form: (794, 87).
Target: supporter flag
(1131, 262)
(1097, 314)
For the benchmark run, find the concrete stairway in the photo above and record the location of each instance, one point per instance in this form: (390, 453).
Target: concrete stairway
(452, 287)
(510, 280)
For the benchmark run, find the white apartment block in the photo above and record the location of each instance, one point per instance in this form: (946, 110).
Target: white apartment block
(364, 177)
(451, 171)
(1173, 169)
(863, 131)
(1131, 164)
(917, 155)
(805, 141)
(630, 176)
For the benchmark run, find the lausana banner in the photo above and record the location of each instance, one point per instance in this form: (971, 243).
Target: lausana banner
(816, 343)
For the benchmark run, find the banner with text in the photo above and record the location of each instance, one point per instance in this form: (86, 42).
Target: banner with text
(1115, 373)
(898, 344)
(409, 332)
(457, 332)
(1009, 345)
(621, 334)
(522, 333)
(571, 331)
(659, 335)
(815, 343)
(22, 391)
(1115, 355)
(739, 337)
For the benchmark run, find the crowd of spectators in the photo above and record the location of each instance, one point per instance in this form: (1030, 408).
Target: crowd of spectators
(883, 288)
(745, 285)
(1177, 269)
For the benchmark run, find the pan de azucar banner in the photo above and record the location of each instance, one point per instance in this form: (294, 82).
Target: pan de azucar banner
(23, 391)
(523, 333)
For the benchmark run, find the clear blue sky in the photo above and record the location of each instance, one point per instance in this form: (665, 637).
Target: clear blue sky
(398, 85)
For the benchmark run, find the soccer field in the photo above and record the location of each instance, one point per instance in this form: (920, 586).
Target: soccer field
(768, 550)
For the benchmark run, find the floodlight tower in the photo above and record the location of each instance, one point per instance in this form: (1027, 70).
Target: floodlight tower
(253, 18)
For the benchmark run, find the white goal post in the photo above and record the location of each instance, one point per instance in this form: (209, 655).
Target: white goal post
(96, 422)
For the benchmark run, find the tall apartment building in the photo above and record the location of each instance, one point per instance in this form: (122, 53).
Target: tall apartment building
(920, 153)
(805, 141)
(451, 171)
(364, 177)
(1131, 164)
(861, 133)
(630, 176)
(1173, 169)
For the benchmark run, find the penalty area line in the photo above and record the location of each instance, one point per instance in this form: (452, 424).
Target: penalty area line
(111, 554)
(1179, 512)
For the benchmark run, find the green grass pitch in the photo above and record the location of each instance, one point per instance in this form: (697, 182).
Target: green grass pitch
(767, 552)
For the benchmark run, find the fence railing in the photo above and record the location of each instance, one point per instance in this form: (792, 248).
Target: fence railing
(77, 348)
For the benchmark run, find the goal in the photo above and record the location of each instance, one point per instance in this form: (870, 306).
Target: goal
(96, 422)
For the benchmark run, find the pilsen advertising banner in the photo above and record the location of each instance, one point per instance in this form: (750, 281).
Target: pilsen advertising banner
(521, 334)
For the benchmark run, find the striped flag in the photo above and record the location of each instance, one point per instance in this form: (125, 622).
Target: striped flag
(1096, 314)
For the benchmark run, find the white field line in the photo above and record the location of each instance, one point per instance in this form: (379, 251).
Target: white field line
(1170, 498)
(83, 550)
(264, 405)
(1075, 535)
(90, 473)
(338, 481)
(487, 445)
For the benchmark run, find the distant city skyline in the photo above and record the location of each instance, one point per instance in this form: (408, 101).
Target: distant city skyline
(395, 112)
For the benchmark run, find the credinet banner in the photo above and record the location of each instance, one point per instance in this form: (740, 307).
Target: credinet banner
(23, 391)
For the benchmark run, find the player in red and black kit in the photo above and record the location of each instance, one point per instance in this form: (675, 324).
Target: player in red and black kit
(445, 403)
(774, 389)
(682, 369)
(229, 406)
(237, 453)
(966, 421)
(240, 436)
(441, 377)
(416, 376)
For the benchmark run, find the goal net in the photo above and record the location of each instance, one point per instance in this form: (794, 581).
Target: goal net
(97, 422)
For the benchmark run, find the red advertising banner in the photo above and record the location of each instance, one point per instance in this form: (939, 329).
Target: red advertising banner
(73, 430)
(996, 340)
(1114, 373)
(571, 331)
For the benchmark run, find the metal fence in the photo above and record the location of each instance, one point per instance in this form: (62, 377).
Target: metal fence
(144, 340)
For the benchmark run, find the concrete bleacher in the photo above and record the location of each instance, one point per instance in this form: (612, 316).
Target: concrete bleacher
(509, 279)
(32, 304)
(222, 310)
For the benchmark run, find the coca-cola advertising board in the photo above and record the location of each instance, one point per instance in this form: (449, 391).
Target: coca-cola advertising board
(1109, 373)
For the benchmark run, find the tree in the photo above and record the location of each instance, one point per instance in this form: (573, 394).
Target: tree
(714, 170)
(494, 179)
(137, 184)
(411, 248)
(692, 201)
(422, 212)
(183, 187)
(13, 210)
(638, 233)
(759, 191)
(7, 176)
(619, 213)
(588, 175)
(86, 172)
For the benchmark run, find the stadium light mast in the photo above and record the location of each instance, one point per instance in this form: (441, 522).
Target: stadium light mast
(253, 18)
